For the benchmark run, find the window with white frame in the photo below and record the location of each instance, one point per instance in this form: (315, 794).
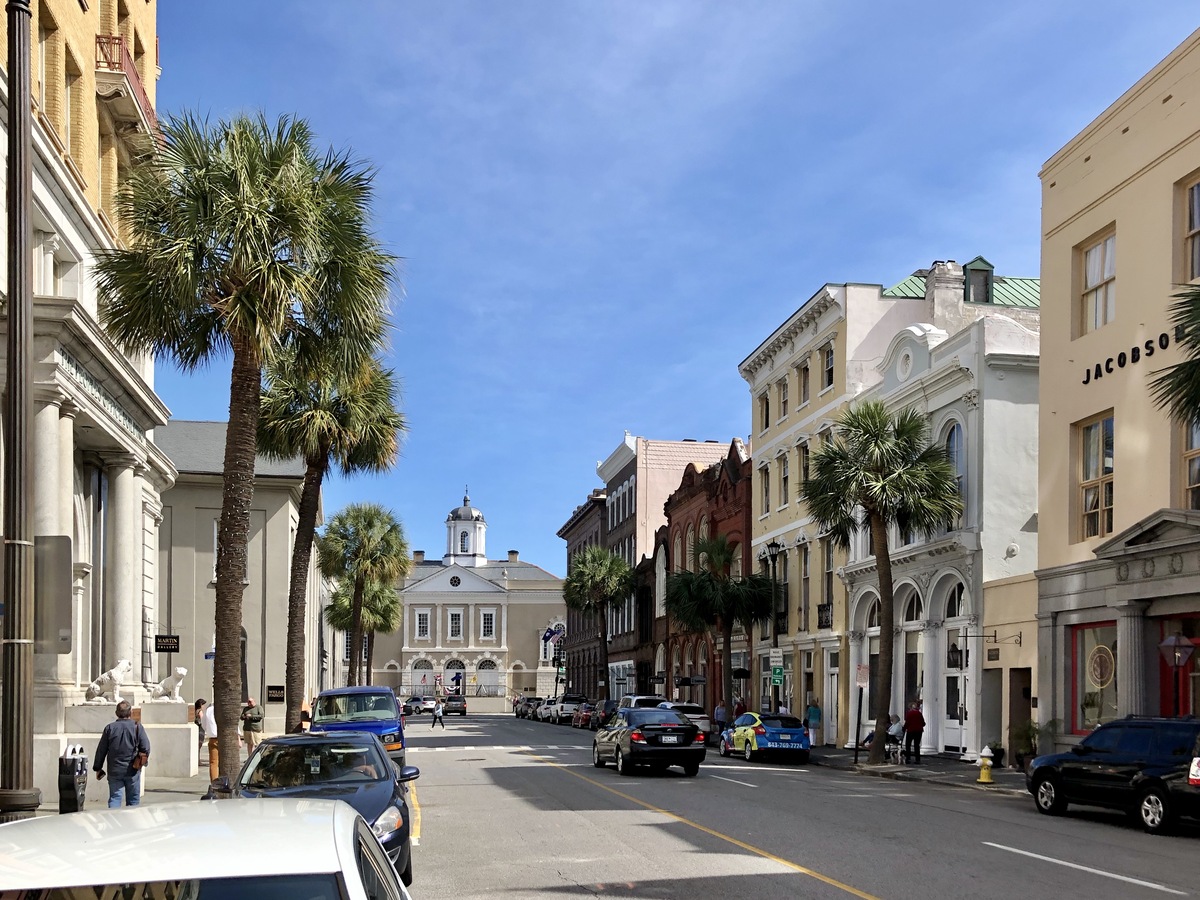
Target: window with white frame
(766, 489)
(1191, 465)
(828, 359)
(346, 647)
(958, 459)
(784, 476)
(1099, 298)
(804, 461)
(783, 398)
(804, 382)
(1096, 477)
(1191, 236)
(764, 411)
(487, 624)
(456, 625)
(423, 624)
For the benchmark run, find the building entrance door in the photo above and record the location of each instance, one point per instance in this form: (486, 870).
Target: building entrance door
(832, 693)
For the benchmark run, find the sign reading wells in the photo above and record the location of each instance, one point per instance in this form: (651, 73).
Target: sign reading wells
(275, 693)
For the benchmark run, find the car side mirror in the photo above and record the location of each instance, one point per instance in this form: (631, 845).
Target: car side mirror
(407, 773)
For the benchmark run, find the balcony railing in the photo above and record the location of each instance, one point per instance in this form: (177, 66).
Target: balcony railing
(824, 615)
(112, 55)
(781, 623)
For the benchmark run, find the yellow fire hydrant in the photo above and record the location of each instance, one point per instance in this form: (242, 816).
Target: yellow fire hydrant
(985, 766)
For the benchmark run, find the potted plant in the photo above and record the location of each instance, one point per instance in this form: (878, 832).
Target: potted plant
(1027, 737)
(997, 749)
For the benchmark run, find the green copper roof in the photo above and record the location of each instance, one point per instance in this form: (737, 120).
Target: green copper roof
(1019, 292)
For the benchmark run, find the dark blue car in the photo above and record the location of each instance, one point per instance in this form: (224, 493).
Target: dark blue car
(344, 765)
(364, 708)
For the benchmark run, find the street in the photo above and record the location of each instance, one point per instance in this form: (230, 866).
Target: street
(515, 807)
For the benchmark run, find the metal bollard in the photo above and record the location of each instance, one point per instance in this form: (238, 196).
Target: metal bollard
(72, 779)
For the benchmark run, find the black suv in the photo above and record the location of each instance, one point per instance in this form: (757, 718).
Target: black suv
(455, 703)
(1138, 764)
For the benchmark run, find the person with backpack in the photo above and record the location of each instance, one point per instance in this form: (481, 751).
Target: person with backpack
(124, 749)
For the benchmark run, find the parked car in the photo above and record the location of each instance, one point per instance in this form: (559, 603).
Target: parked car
(760, 734)
(560, 709)
(526, 705)
(532, 707)
(696, 713)
(363, 708)
(1143, 765)
(583, 715)
(542, 713)
(345, 765)
(455, 704)
(421, 703)
(638, 736)
(603, 711)
(318, 849)
(642, 700)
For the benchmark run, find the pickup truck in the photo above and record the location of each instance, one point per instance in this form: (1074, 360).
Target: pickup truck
(561, 709)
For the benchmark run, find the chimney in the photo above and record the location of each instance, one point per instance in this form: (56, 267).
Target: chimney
(418, 556)
(514, 556)
(944, 294)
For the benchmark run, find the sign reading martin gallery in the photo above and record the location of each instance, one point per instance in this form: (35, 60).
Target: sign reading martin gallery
(166, 643)
(1132, 356)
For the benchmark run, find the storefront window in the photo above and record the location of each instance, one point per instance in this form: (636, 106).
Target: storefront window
(1095, 666)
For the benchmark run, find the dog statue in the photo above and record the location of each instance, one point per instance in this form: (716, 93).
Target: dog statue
(167, 690)
(107, 687)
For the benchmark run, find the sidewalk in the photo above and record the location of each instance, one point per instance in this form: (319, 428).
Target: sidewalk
(933, 769)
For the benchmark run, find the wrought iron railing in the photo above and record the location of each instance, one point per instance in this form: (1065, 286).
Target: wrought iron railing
(824, 615)
(112, 55)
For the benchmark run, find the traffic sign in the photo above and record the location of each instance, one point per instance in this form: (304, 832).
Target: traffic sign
(776, 656)
(777, 675)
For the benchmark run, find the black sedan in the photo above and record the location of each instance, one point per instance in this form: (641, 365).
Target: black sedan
(346, 765)
(653, 737)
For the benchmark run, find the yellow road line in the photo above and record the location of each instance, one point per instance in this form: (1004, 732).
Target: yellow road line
(750, 848)
(414, 831)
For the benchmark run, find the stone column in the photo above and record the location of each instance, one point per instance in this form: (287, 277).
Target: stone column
(66, 471)
(1131, 657)
(857, 640)
(122, 590)
(81, 601)
(931, 695)
(45, 464)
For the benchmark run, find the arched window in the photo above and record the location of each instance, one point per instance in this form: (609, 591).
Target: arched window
(958, 459)
(677, 555)
(463, 540)
(690, 550)
(873, 615)
(914, 609)
(955, 607)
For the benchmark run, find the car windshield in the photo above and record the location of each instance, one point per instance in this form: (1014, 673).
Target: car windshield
(285, 765)
(688, 709)
(781, 722)
(657, 717)
(314, 886)
(355, 707)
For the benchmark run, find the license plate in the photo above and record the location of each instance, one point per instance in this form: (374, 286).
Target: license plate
(670, 739)
(785, 737)
(1194, 772)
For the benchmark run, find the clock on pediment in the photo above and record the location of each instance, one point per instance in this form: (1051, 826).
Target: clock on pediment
(455, 581)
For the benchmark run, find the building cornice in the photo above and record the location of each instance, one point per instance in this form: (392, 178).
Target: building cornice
(807, 316)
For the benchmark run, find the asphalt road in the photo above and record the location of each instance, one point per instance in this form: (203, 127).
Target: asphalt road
(510, 808)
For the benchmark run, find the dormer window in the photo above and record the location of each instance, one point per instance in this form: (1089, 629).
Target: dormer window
(978, 276)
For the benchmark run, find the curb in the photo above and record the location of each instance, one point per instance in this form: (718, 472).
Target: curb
(862, 769)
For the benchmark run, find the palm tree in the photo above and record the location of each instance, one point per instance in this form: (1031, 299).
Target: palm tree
(380, 614)
(597, 578)
(1177, 388)
(879, 469)
(241, 238)
(329, 419)
(363, 544)
(712, 599)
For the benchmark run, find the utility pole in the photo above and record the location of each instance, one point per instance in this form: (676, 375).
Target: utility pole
(18, 797)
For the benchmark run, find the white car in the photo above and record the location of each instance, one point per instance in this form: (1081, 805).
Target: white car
(695, 713)
(319, 849)
(546, 712)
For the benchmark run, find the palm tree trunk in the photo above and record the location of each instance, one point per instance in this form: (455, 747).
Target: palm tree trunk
(887, 639)
(356, 631)
(306, 527)
(233, 534)
(604, 650)
(370, 657)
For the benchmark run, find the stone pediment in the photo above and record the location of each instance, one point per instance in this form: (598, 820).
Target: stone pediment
(1164, 530)
(454, 580)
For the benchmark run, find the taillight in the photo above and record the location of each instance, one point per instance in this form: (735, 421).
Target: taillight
(699, 738)
(637, 737)
(759, 730)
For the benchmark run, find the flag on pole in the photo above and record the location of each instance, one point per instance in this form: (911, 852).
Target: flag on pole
(548, 635)
(556, 637)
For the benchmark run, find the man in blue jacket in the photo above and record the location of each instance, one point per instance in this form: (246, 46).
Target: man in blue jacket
(120, 744)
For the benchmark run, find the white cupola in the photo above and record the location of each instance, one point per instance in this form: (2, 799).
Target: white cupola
(465, 534)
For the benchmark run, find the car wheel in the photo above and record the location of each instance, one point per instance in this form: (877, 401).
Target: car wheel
(406, 875)
(624, 766)
(747, 752)
(1154, 810)
(1047, 796)
(802, 757)
(723, 748)
(597, 759)
(691, 770)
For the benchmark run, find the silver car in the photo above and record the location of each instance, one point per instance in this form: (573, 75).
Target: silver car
(695, 712)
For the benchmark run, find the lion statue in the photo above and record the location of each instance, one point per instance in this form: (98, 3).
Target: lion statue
(167, 690)
(107, 687)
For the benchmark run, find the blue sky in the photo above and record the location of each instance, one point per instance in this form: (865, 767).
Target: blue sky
(604, 206)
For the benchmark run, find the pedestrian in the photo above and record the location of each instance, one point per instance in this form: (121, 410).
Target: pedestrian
(124, 749)
(784, 710)
(739, 708)
(438, 709)
(209, 720)
(813, 715)
(252, 724)
(914, 728)
(200, 704)
(720, 717)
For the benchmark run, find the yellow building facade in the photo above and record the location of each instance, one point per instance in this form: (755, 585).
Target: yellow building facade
(1119, 508)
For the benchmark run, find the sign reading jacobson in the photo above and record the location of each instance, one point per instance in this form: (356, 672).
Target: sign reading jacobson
(1135, 354)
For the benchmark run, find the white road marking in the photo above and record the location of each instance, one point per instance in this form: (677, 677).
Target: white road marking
(1101, 872)
(733, 781)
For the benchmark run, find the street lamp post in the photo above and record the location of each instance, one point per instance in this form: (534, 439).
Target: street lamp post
(773, 549)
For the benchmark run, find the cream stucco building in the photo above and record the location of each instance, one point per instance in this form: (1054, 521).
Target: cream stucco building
(1119, 481)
